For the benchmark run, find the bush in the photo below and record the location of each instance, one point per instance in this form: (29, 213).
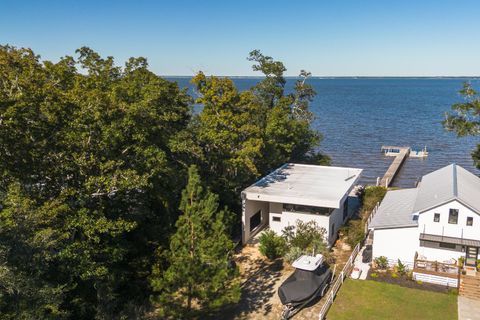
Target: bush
(271, 245)
(419, 282)
(381, 262)
(394, 275)
(292, 254)
(461, 261)
(354, 232)
(401, 268)
(374, 275)
(308, 236)
(371, 196)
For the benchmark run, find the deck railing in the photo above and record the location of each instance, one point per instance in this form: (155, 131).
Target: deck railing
(338, 282)
(450, 270)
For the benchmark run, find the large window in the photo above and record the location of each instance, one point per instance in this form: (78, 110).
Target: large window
(255, 220)
(453, 216)
(307, 209)
(436, 217)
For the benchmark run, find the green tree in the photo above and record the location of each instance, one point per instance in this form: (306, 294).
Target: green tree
(89, 183)
(241, 136)
(198, 278)
(464, 119)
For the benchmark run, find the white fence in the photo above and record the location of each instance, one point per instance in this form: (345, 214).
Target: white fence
(370, 217)
(338, 282)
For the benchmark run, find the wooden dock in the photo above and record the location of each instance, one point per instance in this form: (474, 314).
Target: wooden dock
(397, 163)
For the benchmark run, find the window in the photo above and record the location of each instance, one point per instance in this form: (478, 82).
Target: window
(447, 245)
(307, 209)
(436, 217)
(469, 221)
(255, 220)
(276, 219)
(453, 216)
(345, 209)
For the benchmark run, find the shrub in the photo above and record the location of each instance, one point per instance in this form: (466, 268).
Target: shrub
(308, 236)
(354, 232)
(410, 275)
(419, 281)
(394, 275)
(292, 254)
(381, 262)
(401, 268)
(374, 275)
(371, 196)
(461, 261)
(271, 245)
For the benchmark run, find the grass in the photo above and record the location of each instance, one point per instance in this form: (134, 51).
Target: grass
(364, 299)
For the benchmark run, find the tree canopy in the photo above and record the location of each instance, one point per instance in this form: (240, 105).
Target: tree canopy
(464, 119)
(94, 158)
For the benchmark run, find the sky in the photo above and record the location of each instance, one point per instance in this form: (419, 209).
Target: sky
(325, 37)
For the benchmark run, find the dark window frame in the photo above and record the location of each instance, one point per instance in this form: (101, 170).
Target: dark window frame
(436, 217)
(453, 218)
(445, 245)
(276, 219)
(256, 225)
(469, 221)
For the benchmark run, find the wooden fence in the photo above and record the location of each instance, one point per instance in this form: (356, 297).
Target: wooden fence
(338, 282)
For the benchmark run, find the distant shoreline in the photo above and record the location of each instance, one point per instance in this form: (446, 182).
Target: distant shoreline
(345, 77)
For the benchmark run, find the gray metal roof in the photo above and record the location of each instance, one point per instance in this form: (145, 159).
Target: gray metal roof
(446, 184)
(439, 187)
(460, 241)
(396, 210)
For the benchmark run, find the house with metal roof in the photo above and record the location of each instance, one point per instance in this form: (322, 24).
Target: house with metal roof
(438, 221)
(298, 192)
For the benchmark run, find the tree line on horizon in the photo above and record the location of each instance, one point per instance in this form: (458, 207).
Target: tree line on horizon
(117, 200)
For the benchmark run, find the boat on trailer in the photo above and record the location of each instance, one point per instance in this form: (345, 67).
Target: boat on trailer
(310, 280)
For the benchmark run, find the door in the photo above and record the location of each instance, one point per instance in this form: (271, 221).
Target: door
(471, 256)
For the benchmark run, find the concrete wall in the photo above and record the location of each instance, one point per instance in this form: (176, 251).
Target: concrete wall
(249, 208)
(399, 243)
(277, 219)
(427, 225)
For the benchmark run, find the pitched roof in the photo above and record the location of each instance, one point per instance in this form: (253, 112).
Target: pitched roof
(395, 211)
(312, 185)
(446, 184)
(439, 187)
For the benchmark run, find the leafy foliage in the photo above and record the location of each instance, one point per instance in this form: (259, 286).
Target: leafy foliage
(271, 245)
(308, 237)
(94, 158)
(464, 119)
(88, 182)
(198, 272)
(381, 262)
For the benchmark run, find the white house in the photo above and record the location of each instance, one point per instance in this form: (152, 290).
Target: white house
(298, 192)
(439, 220)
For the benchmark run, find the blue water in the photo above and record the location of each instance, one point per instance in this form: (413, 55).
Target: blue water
(358, 116)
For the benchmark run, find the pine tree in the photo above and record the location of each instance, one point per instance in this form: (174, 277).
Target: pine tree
(198, 278)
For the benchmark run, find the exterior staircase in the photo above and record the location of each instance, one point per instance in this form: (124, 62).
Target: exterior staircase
(470, 286)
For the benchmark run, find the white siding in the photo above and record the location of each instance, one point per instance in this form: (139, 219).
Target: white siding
(427, 225)
(399, 243)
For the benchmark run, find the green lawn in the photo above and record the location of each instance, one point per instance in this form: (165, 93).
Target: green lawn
(364, 299)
